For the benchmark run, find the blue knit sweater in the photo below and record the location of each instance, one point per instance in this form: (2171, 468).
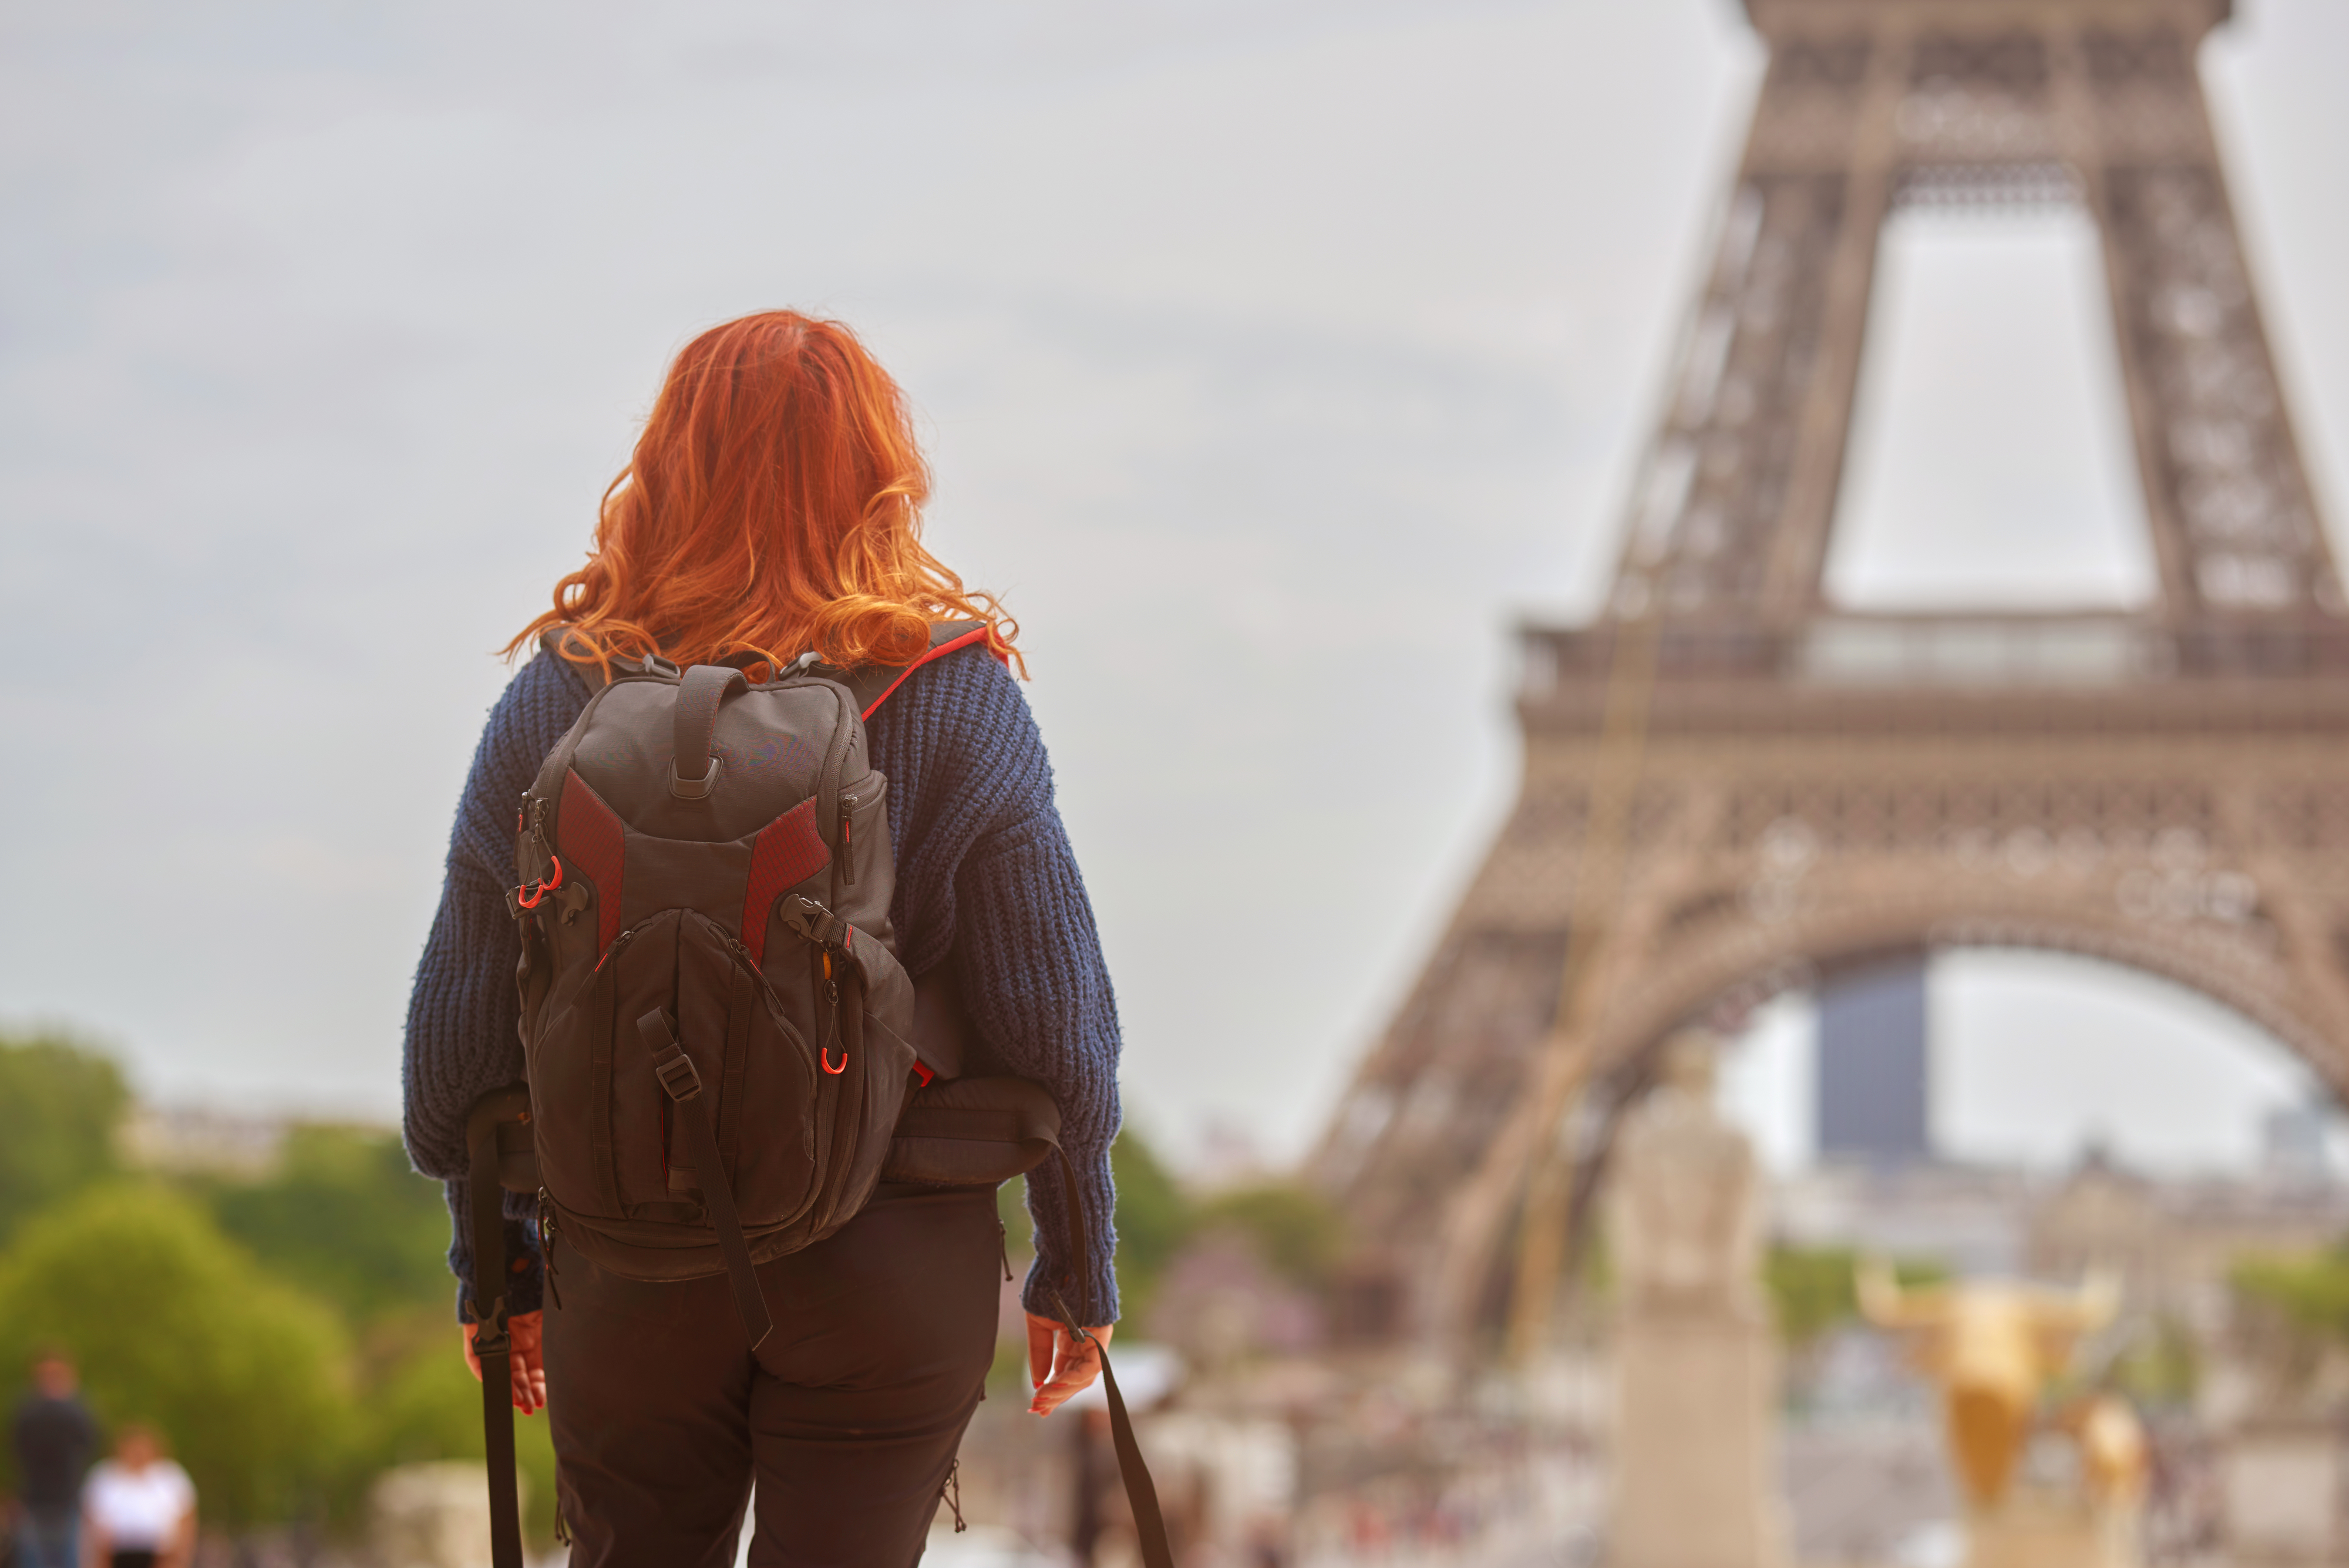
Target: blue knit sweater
(986, 881)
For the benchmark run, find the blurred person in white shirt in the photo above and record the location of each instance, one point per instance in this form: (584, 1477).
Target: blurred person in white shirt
(139, 1508)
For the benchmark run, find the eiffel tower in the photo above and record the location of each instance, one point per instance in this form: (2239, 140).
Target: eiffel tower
(1730, 786)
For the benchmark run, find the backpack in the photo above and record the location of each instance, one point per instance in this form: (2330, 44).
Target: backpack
(719, 1035)
(724, 1056)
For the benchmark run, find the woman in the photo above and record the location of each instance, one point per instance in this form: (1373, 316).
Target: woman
(772, 507)
(138, 1508)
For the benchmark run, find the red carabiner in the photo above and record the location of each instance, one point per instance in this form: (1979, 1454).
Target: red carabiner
(826, 1054)
(530, 896)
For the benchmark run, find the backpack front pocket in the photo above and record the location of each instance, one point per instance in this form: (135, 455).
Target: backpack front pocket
(756, 1071)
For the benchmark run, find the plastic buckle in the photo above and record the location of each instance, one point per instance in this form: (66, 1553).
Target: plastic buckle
(814, 922)
(693, 789)
(677, 1074)
(490, 1335)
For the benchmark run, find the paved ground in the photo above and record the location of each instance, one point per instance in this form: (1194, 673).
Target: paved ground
(1867, 1492)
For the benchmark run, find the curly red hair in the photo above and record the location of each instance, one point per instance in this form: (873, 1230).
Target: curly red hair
(772, 506)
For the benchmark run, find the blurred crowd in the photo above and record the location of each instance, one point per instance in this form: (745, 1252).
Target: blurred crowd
(135, 1509)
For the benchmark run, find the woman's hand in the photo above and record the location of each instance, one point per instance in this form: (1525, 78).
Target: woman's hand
(1058, 1367)
(529, 1332)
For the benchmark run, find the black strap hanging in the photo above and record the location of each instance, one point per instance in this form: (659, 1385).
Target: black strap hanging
(493, 1336)
(1141, 1492)
(682, 1082)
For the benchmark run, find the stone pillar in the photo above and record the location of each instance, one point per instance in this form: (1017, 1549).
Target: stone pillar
(2280, 1487)
(434, 1515)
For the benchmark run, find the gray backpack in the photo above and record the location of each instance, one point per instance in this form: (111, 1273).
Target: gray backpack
(720, 1039)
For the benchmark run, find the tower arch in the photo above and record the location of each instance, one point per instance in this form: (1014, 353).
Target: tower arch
(1729, 780)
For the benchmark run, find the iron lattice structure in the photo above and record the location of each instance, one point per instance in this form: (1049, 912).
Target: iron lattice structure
(1730, 785)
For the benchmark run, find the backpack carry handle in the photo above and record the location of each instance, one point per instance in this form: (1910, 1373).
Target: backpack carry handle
(692, 771)
(493, 1342)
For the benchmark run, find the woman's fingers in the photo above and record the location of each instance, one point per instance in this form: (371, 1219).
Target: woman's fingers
(1073, 1366)
(1073, 1369)
(526, 1368)
(1041, 1332)
(529, 1332)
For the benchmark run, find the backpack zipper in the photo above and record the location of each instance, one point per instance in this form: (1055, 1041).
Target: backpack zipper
(854, 799)
(546, 1246)
(623, 940)
(741, 956)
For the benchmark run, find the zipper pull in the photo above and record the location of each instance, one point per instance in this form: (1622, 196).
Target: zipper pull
(847, 855)
(623, 940)
(832, 1021)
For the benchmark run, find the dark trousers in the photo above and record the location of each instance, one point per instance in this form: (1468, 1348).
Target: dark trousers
(847, 1419)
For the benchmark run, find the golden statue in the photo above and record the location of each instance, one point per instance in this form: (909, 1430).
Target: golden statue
(1993, 1348)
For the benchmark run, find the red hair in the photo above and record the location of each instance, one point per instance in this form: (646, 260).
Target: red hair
(772, 506)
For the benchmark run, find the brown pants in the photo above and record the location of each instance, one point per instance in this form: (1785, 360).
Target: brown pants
(847, 1419)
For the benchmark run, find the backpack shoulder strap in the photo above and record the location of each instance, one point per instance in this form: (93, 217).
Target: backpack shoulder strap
(550, 641)
(873, 684)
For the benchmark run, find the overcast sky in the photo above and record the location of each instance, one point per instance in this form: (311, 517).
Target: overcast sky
(1275, 355)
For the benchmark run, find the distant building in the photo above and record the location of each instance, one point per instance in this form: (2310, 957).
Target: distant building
(2171, 1240)
(1972, 1219)
(189, 1141)
(2295, 1143)
(2172, 1243)
(1874, 1101)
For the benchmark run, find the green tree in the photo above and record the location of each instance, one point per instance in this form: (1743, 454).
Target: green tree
(173, 1324)
(344, 1216)
(1154, 1216)
(2292, 1309)
(426, 1405)
(2161, 1365)
(1815, 1289)
(1296, 1231)
(60, 1106)
(2308, 1291)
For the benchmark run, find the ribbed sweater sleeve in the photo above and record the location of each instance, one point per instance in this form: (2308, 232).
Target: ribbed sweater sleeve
(463, 1015)
(987, 881)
